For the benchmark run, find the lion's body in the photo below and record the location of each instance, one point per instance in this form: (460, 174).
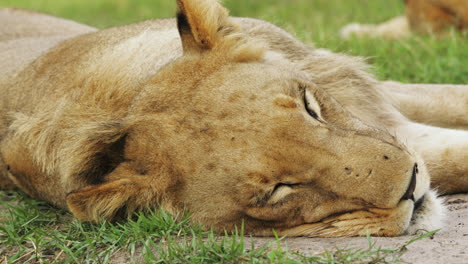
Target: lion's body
(76, 130)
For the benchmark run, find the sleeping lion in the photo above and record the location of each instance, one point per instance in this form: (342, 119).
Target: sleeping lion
(230, 119)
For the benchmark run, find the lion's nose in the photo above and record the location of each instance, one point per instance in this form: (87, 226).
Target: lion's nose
(409, 194)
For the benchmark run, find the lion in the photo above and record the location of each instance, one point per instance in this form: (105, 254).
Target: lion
(230, 119)
(435, 17)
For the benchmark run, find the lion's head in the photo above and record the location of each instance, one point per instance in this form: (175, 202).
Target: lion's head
(232, 133)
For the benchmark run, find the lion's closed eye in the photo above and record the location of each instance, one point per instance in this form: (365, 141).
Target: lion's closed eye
(280, 191)
(312, 107)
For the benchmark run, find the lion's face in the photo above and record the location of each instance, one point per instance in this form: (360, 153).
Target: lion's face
(231, 134)
(259, 142)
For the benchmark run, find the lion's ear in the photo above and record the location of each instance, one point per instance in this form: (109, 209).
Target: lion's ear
(110, 200)
(202, 24)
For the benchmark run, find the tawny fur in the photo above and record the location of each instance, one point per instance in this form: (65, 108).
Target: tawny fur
(229, 118)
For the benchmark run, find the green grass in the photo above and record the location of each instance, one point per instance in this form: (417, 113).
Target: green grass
(34, 232)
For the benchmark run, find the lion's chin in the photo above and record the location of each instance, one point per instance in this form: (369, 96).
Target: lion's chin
(373, 221)
(429, 216)
(404, 219)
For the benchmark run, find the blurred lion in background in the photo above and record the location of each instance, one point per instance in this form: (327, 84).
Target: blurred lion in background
(435, 17)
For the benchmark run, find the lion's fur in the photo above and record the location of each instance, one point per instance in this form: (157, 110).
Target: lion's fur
(210, 118)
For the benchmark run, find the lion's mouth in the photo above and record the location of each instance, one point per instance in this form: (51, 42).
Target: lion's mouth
(418, 203)
(409, 194)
